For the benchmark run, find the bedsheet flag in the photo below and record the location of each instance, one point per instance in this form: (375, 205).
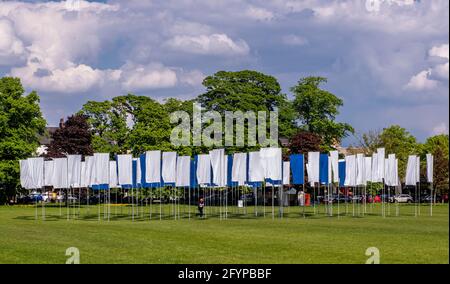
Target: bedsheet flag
(48, 172)
(204, 169)
(381, 164)
(313, 167)
(368, 169)
(125, 170)
(255, 169)
(271, 160)
(323, 168)
(411, 170)
(350, 170)
(334, 157)
(60, 176)
(286, 173)
(74, 170)
(152, 164)
(297, 168)
(113, 174)
(169, 168)
(219, 167)
(430, 161)
(239, 169)
(341, 172)
(360, 171)
(183, 172)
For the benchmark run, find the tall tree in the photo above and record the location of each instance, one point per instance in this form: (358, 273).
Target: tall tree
(397, 140)
(129, 123)
(73, 137)
(248, 90)
(438, 146)
(317, 110)
(21, 123)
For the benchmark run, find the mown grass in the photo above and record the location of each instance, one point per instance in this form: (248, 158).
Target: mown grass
(242, 238)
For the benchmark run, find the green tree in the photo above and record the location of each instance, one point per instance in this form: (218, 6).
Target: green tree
(248, 90)
(131, 123)
(397, 140)
(317, 110)
(438, 146)
(21, 123)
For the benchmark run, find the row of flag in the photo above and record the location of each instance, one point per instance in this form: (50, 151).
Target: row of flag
(216, 169)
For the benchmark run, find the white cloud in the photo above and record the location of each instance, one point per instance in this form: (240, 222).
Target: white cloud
(421, 82)
(294, 40)
(216, 44)
(440, 51)
(259, 13)
(11, 47)
(441, 128)
(74, 79)
(139, 77)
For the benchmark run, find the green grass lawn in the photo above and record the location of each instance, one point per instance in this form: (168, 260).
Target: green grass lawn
(242, 238)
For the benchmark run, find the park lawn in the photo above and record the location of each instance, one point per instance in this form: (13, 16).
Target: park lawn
(239, 239)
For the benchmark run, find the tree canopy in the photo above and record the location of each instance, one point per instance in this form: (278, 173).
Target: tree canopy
(73, 137)
(21, 123)
(317, 109)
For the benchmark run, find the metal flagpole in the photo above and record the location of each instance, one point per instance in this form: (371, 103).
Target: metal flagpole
(43, 189)
(415, 201)
(419, 197)
(273, 209)
(189, 198)
(338, 197)
(431, 199)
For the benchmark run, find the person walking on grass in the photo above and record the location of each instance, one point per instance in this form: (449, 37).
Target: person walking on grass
(201, 205)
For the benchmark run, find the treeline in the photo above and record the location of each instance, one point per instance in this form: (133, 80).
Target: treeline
(134, 124)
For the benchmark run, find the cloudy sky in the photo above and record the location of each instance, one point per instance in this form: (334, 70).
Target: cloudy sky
(388, 59)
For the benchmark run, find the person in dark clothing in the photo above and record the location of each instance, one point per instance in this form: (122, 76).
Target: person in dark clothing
(201, 205)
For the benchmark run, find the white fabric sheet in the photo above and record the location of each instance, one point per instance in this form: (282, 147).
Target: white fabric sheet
(271, 161)
(368, 169)
(204, 169)
(418, 169)
(183, 171)
(113, 174)
(330, 172)
(101, 168)
(430, 161)
(37, 172)
(381, 163)
(219, 167)
(83, 175)
(169, 167)
(286, 173)
(375, 177)
(314, 167)
(74, 170)
(239, 168)
(255, 167)
(360, 170)
(60, 175)
(350, 170)
(334, 158)
(48, 172)
(153, 167)
(125, 169)
(25, 174)
(411, 167)
(138, 172)
(89, 170)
